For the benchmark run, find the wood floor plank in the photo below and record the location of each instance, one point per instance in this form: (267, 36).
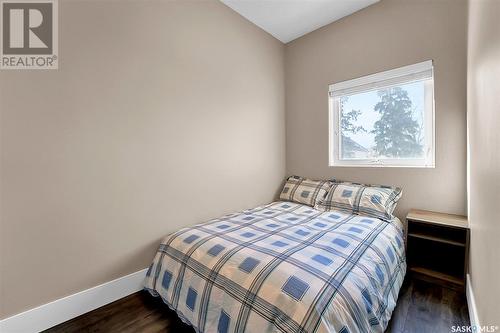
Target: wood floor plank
(421, 307)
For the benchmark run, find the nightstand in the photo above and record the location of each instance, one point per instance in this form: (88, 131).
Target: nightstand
(438, 247)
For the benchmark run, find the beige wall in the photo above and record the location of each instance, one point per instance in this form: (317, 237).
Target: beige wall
(162, 111)
(389, 34)
(162, 115)
(484, 155)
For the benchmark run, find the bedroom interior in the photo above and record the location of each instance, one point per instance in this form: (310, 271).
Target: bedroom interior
(250, 166)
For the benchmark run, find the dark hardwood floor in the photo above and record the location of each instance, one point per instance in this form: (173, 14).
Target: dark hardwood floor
(421, 307)
(425, 307)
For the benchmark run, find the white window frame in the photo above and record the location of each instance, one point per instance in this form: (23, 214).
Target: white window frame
(394, 77)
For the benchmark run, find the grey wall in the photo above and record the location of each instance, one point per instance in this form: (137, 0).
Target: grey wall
(162, 114)
(484, 154)
(389, 34)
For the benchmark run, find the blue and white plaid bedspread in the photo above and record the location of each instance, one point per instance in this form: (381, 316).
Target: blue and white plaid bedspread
(283, 267)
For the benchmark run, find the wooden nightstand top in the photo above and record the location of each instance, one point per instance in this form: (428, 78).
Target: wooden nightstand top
(426, 216)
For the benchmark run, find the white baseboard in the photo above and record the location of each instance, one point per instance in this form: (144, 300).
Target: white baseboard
(471, 303)
(63, 309)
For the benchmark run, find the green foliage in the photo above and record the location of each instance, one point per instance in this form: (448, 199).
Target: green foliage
(397, 134)
(348, 120)
(347, 125)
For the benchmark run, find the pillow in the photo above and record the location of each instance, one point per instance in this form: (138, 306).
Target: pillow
(371, 200)
(304, 191)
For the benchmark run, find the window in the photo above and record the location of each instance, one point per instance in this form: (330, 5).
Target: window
(384, 119)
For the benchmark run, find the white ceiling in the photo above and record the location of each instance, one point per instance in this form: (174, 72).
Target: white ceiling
(289, 19)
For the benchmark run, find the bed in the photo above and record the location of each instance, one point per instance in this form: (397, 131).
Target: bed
(282, 267)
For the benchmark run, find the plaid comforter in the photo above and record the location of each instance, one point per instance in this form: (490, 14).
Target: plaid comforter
(283, 267)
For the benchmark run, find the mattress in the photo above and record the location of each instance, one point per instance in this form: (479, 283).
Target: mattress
(282, 267)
